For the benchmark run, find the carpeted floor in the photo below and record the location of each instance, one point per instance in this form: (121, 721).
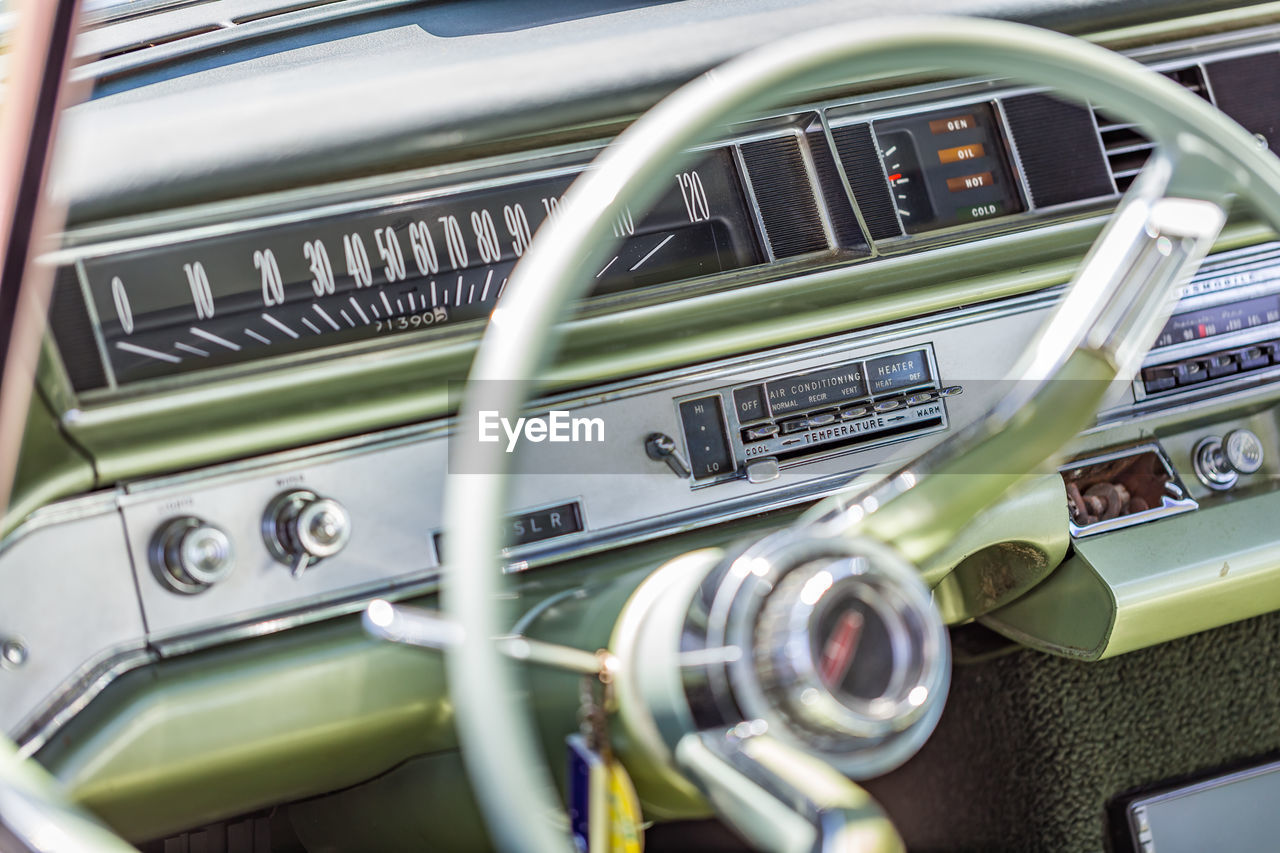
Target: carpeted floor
(1032, 747)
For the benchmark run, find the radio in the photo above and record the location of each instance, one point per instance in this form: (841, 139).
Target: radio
(1226, 327)
(754, 430)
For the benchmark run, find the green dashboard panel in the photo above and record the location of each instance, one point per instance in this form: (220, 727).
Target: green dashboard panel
(317, 709)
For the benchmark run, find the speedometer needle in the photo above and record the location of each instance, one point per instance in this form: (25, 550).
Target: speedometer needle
(838, 652)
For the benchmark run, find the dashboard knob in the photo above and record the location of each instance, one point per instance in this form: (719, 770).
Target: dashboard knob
(1243, 451)
(189, 555)
(301, 528)
(1219, 462)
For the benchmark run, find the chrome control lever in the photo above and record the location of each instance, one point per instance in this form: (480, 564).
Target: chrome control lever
(428, 629)
(783, 799)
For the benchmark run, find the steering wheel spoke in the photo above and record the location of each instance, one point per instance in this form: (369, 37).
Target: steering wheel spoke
(780, 798)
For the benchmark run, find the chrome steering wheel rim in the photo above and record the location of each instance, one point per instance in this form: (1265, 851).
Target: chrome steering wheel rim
(1210, 156)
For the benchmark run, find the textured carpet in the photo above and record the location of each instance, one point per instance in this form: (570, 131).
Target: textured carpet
(1031, 747)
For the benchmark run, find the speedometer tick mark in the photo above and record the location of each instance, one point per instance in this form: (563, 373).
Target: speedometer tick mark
(356, 305)
(347, 317)
(281, 326)
(434, 300)
(412, 303)
(653, 251)
(257, 337)
(191, 349)
(376, 313)
(386, 303)
(484, 294)
(327, 318)
(148, 352)
(215, 339)
(399, 306)
(471, 295)
(457, 297)
(310, 325)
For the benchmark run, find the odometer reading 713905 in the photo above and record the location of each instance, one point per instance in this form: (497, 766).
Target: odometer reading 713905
(386, 271)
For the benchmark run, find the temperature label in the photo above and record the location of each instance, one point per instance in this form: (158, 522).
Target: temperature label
(970, 182)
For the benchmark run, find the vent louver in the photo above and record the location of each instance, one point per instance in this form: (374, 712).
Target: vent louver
(1127, 149)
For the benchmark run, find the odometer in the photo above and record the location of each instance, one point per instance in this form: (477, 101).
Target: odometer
(397, 269)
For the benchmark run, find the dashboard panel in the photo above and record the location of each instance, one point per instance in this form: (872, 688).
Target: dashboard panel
(828, 186)
(417, 260)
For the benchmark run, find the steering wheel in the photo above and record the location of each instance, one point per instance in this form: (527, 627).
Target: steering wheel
(1105, 322)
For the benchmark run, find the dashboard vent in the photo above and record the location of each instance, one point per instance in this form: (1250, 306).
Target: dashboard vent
(1127, 149)
(867, 179)
(844, 222)
(1247, 88)
(792, 223)
(1058, 148)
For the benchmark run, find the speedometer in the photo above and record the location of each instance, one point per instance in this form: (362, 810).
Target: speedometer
(429, 264)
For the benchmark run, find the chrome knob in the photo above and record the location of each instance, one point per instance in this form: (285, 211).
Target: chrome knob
(1219, 462)
(301, 528)
(1243, 451)
(190, 555)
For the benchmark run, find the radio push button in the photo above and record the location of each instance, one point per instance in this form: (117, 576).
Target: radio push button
(1252, 358)
(1222, 364)
(1162, 378)
(1192, 371)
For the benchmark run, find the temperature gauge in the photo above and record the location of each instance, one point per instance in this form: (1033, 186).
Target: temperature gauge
(947, 168)
(906, 180)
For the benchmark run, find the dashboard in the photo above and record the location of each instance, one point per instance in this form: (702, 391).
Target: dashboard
(254, 384)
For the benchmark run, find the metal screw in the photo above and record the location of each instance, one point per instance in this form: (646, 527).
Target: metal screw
(13, 653)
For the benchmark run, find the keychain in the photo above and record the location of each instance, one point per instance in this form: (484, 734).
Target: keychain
(604, 811)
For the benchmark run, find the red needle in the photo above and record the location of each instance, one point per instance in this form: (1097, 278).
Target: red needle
(838, 652)
(895, 176)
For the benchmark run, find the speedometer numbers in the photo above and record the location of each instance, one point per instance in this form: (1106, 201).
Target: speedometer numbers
(441, 261)
(947, 168)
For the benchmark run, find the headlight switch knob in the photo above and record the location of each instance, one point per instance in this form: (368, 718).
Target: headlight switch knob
(301, 528)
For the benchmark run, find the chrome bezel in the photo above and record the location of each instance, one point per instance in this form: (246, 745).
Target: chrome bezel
(730, 606)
